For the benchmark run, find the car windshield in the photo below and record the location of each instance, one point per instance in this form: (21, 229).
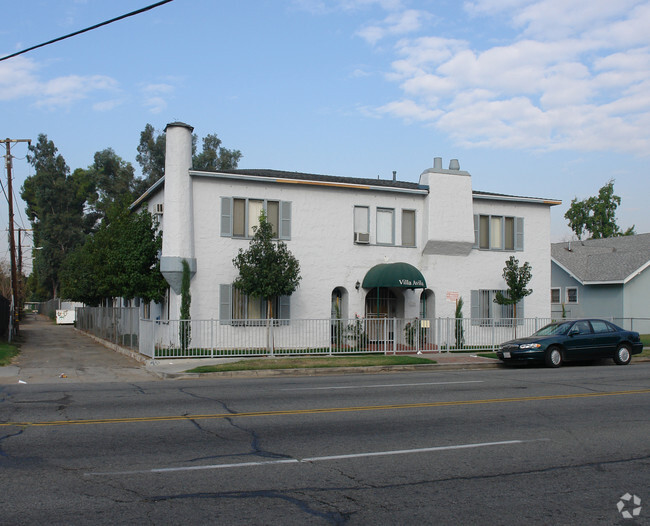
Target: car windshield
(554, 328)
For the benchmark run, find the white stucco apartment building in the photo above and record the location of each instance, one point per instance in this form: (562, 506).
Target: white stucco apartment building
(438, 238)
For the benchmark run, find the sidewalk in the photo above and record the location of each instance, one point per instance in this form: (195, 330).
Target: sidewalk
(53, 353)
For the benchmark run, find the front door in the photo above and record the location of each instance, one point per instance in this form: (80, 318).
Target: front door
(381, 306)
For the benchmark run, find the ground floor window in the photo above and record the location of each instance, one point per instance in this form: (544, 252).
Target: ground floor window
(484, 311)
(237, 308)
(571, 295)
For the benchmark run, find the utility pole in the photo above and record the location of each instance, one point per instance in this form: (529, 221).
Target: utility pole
(12, 241)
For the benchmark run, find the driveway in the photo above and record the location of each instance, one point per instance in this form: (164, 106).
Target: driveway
(53, 353)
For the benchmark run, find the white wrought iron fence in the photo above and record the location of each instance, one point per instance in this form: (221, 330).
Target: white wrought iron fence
(212, 338)
(236, 338)
(119, 325)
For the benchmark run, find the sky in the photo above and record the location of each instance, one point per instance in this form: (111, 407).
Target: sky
(542, 98)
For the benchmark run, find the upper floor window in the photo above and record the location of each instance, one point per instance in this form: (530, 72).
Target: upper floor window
(498, 232)
(385, 226)
(240, 215)
(361, 224)
(408, 228)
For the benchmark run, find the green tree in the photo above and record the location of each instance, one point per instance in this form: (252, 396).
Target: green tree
(186, 300)
(459, 331)
(151, 156)
(55, 207)
(267, 269)
(596, 215)
(213, 156)
(111, 181)
(119, 260)
(517, 279)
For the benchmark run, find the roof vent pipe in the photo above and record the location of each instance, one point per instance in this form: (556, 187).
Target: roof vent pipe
(394, 175)
(454, 165)
(437, 163)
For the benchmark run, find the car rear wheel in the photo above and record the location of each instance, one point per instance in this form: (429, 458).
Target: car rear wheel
(622, 356)
(553, 357)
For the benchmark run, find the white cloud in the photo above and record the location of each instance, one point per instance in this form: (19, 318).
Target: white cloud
(156, 95)
(576, 74)
(398, 23)
(19, 79)
(64, 91)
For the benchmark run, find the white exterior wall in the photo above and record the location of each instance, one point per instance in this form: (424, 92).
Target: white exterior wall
(537, 251)
(322, 238)
(322, 232)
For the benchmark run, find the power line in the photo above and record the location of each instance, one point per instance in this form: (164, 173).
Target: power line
(87, 29)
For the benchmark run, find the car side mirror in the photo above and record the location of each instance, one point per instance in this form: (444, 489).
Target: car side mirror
(574, 331)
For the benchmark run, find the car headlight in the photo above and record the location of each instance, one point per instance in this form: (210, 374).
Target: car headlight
(530, 346)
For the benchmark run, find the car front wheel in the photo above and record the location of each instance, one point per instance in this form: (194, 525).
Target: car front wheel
(622, 356)
(553, 357)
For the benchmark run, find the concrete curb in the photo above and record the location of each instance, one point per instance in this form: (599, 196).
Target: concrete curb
(327, 371)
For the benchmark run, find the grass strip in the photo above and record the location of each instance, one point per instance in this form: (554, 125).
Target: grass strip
(307, 362)
(7, 352)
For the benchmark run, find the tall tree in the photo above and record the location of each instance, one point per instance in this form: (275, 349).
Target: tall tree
(119, 260)
(214, 156)
(55, 207)
(267, 269)
(113, 181)
(596, 215)
(151, 156)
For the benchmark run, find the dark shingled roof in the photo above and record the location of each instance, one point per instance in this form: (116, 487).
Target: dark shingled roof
(613, 259)
(281, 174)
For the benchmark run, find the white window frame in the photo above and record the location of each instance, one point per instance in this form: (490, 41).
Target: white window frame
(559, 295)
(568, 301)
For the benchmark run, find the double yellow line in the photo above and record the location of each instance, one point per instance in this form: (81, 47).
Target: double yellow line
(173, 418)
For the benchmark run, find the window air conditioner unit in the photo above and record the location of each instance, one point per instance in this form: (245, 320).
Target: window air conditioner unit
(158, 209)
(361, 238)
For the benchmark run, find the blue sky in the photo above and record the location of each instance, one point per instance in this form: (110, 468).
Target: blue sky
(545, 98)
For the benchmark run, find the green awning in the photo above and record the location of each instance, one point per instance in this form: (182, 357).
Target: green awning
(400, 275)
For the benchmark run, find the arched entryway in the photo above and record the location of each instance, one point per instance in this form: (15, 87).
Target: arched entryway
(387, 284)
(381, 302)
(427, 305)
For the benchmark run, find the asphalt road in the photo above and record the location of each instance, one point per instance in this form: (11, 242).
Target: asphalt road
(500, 446)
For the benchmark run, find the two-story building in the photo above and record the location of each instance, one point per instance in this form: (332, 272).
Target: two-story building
(366, 247)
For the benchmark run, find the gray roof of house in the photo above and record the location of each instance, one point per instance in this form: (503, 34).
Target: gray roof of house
(388, 184)
(613, 260)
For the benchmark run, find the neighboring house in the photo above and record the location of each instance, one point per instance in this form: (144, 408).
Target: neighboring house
(608, 278)
(366, 247)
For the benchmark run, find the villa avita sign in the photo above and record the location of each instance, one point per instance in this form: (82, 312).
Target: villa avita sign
(411, 283)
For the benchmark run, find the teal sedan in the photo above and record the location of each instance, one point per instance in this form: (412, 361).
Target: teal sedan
(575, 340)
